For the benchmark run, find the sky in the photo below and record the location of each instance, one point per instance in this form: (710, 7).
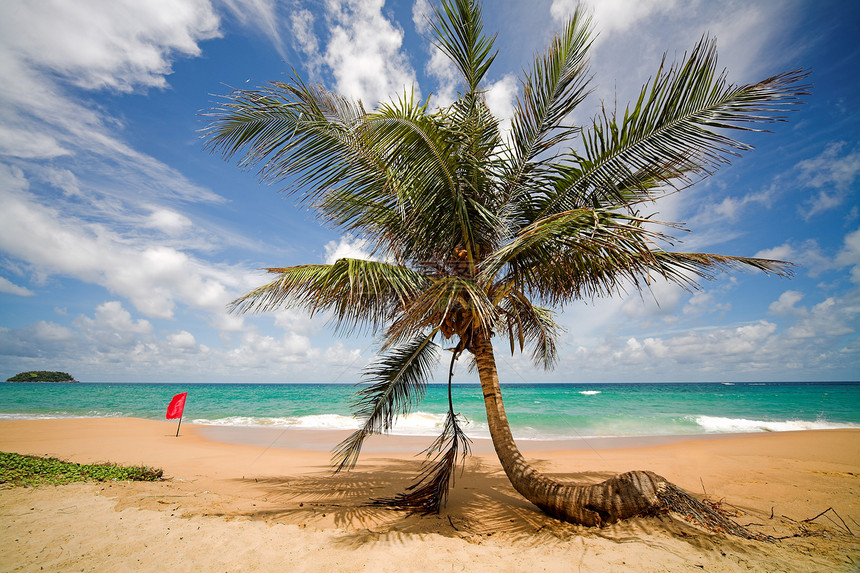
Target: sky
(122, 240)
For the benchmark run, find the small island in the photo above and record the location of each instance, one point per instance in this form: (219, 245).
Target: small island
(43, 376)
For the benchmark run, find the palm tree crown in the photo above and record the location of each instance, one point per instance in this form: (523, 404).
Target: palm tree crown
(478, 233)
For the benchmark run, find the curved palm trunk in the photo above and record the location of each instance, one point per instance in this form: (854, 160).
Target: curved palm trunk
(623, 496)
(626, 495)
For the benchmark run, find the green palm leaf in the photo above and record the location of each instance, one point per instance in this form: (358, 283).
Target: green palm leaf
(529, 325)
(574, 254)
(556, 84)
(303, 135)
(458, 29)
(358, 292)
(587, 253)
(673, 135)
(396, 381)
(446, 296)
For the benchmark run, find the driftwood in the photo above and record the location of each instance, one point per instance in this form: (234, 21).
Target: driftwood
(830, 509)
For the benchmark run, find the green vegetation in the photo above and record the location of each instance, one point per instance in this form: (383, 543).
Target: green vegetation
(17, 469)
(42, 376)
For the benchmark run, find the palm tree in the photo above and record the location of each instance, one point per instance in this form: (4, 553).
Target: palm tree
(479, 234)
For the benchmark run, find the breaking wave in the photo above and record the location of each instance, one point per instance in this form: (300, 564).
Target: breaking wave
(715, 424)
(414, 424)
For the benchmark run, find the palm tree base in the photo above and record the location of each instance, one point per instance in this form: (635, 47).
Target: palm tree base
(636, 494)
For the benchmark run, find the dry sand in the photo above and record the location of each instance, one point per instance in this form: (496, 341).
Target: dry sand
(276, 507)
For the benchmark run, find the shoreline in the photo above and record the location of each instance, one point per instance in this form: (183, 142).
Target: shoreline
(326, 440)
(279, 507)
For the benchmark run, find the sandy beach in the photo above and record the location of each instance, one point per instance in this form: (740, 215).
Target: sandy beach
(241, 499)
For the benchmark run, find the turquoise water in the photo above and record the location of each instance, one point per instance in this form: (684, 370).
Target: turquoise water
(535, 411)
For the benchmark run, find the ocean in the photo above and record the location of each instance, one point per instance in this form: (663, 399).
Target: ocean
(535, 411)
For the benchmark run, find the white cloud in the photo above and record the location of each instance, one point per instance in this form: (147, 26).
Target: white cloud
(168, 221)
(112, 320)
(256, 351)
(422, 12)
(808, 257)
(501, 97)
(15, 141)
(261, 15)
(661, 299)
(814, 261)
(613, 15)
(182, 340)
(440, 67)
(112, 344)
(849, 255)
(152, 276)
(364, 52)
(832, 317)
(302, 28)
(833, 174)
(298, 321)
(346, 248)
(731, 208)
(784, 306)
(39, 340)
(99, 230)
(783, 252)
(9, 287)
(117, 44)
(755, 40)
(721, 349)
(703, 303)
(123, 45)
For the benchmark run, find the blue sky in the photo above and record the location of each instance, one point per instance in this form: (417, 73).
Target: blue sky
(122, 240)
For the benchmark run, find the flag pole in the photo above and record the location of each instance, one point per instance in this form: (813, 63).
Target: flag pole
(178, 425)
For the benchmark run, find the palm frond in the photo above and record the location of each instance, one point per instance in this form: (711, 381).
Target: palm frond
(478, 203)
(300, 134)
(429, 493)
(444, 297)
(529, 325)
(587, 253)
(458, 31)
(574, 254)
(357, 291)
(396, 381)
(675, 266)
(673, 135)
(555, 86)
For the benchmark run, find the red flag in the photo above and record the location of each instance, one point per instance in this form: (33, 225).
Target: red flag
(177, 405)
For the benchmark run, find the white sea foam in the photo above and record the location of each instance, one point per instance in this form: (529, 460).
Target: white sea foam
(17, 416)
(717, 424)
(414, 424)
(590, 392)
(60, 415)
(315, 422)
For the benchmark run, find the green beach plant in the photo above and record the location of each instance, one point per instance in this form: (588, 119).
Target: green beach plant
(19, 469)
(478, 234)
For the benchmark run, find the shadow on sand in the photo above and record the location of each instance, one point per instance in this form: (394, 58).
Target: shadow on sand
(481, 505)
